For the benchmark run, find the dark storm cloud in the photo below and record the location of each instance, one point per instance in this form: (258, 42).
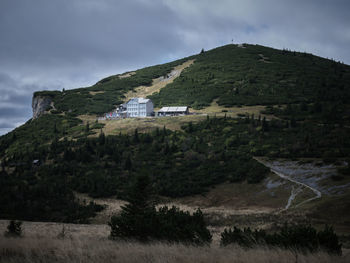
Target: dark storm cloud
(72, 43)
(321, 27)
(62, 32)
(68, 44)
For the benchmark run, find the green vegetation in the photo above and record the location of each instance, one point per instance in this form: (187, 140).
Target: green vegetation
(235, 76)
(185, 162)
(47, 197)
(257, 75)
(140, 220)
(310, 97)
(30, 138)
(106, 94)
(300, 238)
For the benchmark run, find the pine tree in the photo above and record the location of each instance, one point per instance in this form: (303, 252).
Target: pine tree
(265, 125)
(136, 137)
(136, 219)
(140, 220)
(87, 127)
(128, 163)
(101, 138)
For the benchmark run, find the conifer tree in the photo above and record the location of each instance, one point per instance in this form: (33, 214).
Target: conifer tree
(136, 136)
(101, 138)
(135, 220)
(140, 220)
(128, 163)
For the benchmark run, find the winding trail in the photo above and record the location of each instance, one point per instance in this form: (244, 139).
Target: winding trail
(158, 83)
(294, 192)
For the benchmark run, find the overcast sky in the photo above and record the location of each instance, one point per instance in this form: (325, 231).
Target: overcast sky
(55, 44)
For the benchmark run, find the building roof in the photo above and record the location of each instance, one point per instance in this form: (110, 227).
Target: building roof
(142, 100)
(174, 109)
(139, 100)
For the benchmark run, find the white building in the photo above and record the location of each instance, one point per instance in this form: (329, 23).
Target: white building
(139, 107)
(173, 111)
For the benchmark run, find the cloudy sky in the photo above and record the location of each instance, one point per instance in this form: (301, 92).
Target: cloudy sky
(55, 44)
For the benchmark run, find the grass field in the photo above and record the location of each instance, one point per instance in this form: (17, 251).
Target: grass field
(216, 109)
(32, 249)
(243, 205)
(128, 125)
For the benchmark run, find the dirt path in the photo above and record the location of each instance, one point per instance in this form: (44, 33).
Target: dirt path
(294, 191)
(158, 83)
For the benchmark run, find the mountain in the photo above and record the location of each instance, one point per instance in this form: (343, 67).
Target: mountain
(248, 101)
(232, 74)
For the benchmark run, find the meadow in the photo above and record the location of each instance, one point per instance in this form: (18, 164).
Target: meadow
(32, 249)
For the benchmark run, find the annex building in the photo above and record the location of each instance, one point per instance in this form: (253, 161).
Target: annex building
(173, 111)
(139, 107)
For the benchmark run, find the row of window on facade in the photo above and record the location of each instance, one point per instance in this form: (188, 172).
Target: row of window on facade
(140, 107)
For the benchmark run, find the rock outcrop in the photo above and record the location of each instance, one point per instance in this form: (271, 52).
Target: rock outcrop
(40, 105)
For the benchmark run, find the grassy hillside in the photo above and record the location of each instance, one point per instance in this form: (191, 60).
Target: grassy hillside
(257, 75)
(306, 98)
(234, 75)
(105, 94)
(180, 163)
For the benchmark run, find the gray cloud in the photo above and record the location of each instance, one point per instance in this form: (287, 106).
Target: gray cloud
(73, 43)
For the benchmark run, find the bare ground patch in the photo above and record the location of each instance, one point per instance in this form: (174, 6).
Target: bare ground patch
(158, 83)
(128, 125)
(216, 109)
(126, 74)
(96, 92)
(264, 59)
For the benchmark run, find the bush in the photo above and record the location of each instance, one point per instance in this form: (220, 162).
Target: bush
(141, 221)
(175, 225)
(301, 238)
(14, 229)
(345, 170)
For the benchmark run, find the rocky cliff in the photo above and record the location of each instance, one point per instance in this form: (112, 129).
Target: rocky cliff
(40, 104)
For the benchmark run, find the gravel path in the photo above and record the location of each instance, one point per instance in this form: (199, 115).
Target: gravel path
(294, 192)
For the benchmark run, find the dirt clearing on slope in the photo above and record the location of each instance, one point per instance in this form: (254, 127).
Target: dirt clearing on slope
(158, 83)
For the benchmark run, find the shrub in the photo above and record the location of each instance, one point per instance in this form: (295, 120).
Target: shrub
(179, 226)
(14, 229)
(301, 238)
(141, 221)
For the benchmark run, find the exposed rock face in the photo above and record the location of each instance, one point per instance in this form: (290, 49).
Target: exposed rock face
(40, 105)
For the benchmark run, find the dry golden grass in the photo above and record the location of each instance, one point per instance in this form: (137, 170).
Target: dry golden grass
(226, 204)
(223, 200)
(88, 118)
(215, 109)
(94, 249)
(96, 92)
(158, 83)
(111, 206)
(127, 74)
(128, 125)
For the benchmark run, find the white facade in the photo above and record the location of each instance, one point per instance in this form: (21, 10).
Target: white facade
(139, 107)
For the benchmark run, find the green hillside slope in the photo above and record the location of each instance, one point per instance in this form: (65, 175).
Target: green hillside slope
(306, 95)
(257, 75)
(235, 75)
(106, 94)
